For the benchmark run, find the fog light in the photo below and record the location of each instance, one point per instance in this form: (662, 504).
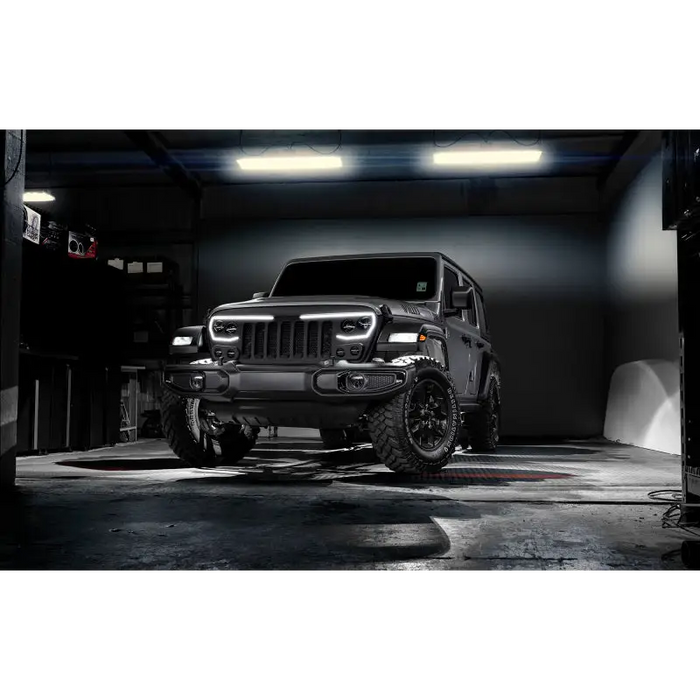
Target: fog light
(197, 382)
(356, 381)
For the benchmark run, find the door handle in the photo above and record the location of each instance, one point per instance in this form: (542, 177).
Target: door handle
(467, 340)
(479, 344)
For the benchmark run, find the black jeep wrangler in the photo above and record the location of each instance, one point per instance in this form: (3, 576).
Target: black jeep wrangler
(391, 347)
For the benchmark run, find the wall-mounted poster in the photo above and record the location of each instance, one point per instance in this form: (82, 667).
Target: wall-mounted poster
(81, 245)
(32, 225)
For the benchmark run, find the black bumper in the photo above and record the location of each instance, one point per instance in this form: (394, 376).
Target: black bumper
(340, 382)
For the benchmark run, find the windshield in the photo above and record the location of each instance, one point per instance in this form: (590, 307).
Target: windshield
(407, 279)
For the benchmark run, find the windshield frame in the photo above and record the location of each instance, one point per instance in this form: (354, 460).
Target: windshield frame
(436, 260)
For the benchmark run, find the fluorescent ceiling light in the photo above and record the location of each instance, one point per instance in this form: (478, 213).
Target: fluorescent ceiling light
(487, 157)
(38, 197)
(291, 162)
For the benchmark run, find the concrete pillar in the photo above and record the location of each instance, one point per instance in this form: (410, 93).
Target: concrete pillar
(13, 149)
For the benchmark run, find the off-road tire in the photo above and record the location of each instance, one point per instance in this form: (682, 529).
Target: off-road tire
(390, 433)
(483, 428)
(235, 442)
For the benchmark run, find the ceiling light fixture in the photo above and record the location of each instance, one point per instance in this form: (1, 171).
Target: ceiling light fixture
(290, 163)
(485, 157)
(38, 197)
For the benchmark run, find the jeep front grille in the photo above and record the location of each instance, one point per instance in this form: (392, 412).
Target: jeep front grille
(286, 340)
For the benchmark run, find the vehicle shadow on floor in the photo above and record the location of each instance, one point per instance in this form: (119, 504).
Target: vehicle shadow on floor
(323, 475)
(120, 464)
(286, 461)
(359, 465)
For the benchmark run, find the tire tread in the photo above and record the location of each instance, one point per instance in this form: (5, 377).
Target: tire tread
(391, 443)
(234, 446)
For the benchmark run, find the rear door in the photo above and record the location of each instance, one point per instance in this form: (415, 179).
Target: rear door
(459, 345)
(473, 340)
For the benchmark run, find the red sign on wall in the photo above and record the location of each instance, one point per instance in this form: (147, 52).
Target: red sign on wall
(81, 245)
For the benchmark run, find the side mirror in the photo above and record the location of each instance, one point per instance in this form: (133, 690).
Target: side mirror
(261, 295)
(460, 297)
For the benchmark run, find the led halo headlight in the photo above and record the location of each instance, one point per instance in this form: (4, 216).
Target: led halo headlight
(346, 316)
(348, 325)
(218, 326)
(365, 322)
(230, 328)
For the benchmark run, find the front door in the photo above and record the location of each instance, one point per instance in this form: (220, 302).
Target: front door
(460, 346)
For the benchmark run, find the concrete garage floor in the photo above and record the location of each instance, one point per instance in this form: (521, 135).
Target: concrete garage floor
(291, 505)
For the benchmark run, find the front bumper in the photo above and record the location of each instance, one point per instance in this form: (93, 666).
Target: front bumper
(342, 381)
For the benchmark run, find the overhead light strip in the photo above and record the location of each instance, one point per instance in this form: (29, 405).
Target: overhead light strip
(484, 157)
(290, 163)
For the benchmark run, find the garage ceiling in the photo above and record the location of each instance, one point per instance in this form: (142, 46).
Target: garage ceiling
(97, 159)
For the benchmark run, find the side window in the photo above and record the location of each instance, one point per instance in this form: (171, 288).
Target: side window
(451, 282)
(484, 317)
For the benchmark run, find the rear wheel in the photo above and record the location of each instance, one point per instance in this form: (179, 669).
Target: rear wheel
(197, 438)
(416, 432)
(484, 428)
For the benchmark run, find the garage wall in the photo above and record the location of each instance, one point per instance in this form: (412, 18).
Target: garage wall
(133, 222)
(642, 322)
(543, 277)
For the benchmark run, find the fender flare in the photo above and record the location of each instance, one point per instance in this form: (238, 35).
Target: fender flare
(489, 369)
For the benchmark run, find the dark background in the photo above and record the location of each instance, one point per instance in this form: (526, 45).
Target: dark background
(543, 280)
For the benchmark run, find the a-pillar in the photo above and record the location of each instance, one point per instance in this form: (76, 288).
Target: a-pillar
(12, 154)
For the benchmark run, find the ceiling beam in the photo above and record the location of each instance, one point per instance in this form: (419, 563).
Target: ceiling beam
(231, 140)
(154, 147)
(628, 138)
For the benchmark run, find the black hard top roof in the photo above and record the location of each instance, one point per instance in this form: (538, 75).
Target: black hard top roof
(411, 254)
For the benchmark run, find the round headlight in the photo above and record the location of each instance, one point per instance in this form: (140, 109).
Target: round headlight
(347, 326)
(365, 322)
(218, 326)
(231, 328)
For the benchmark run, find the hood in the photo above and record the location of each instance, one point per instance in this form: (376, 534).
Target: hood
(318, 303)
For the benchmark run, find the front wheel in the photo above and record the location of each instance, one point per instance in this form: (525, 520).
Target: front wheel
(197, 438)
(416, 431)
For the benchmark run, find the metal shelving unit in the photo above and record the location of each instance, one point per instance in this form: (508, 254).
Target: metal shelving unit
(128, 429)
